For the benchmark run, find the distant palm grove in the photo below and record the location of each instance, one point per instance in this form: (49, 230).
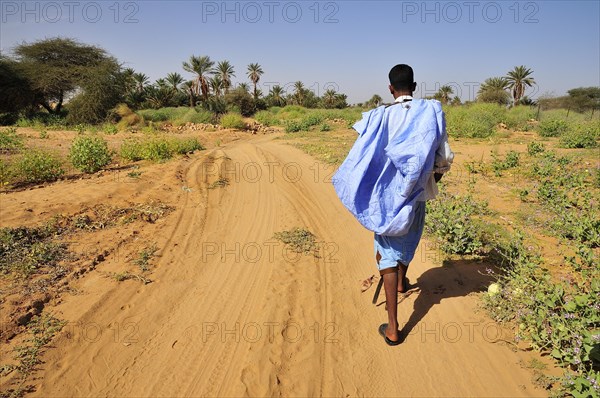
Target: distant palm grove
(63, 78)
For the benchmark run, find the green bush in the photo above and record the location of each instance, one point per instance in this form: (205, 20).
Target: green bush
(195, 116)
(474, 121)
(292, 126)
(533, 148)
(157, 149)
(10, 141)
(451, 220)
(310, 120)
(187, 145)
(37, 166)
(266, 118)
(560, 317)
(552, 127)
(232, 121)
(109, 128)
(517, 118)
(168, 114)
(132, 149)
(583, 135)
(89, 153)
(6, 173)
(325, 127)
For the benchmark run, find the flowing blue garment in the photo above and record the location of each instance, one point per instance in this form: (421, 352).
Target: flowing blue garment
(381, 180)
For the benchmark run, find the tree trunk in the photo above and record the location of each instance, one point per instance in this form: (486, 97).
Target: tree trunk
(47, 107)
(60, 102)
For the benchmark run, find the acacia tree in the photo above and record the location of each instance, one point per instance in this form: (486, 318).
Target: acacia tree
(17, 93)
(98, 93)
(58, 67)
(518, 79)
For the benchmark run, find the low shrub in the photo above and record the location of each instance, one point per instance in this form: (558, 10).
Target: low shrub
(451, 220)
(534, 148)
(10, 141)
(157, 148)
(89, 153)
(37, 166)
(266, 118)
(292, 126)
(518, 117)
(582, 135)
(552, 127)
(559, 317)
(474, 121)
(232, 121)
(109, 128)
(195, 116)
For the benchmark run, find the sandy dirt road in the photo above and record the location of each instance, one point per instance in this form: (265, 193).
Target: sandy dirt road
(231, 312)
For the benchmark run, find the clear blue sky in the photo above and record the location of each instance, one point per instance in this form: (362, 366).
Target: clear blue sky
(347, 45)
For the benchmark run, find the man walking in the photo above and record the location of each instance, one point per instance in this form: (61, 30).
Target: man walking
(391, 171)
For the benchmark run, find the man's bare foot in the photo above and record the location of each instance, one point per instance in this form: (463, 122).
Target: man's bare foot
(384, 330)
(392, 333)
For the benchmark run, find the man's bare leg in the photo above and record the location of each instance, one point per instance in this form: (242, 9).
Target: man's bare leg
(390, 284)
(401, 275)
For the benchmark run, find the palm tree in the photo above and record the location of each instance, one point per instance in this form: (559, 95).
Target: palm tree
(141, 80)
(202, 66)
(189, 89)
(276, 96)
(375, 100)
(518, 79)
(225, 70)
(244, 86)
(254, 73)
(161, 83)
(494, 90)
(494, 83)
(174, 80)
(444, 94)
(129, 80)
(217, 84)
(299, 92)
(329, 98)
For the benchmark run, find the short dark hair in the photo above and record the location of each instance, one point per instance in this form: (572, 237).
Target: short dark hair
(402, 77)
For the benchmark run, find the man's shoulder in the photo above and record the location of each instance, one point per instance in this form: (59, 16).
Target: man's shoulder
(435, 104)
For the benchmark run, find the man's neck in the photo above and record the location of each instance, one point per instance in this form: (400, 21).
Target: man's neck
(403, 98)
(402, 94)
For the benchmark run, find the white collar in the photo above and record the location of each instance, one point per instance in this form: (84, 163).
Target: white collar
(403, 98)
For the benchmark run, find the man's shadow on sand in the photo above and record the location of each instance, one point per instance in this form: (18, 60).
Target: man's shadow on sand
(454, 278)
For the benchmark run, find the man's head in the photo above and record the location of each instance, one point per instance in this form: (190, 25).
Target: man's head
(402, 81)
